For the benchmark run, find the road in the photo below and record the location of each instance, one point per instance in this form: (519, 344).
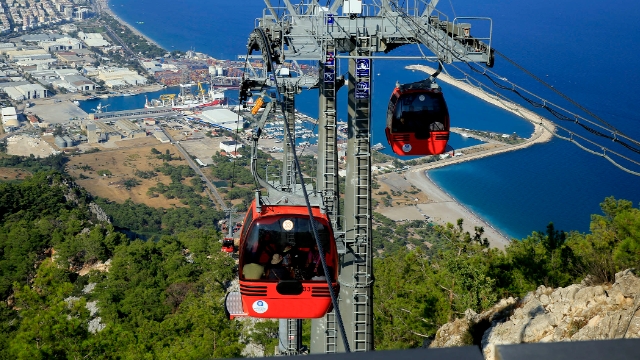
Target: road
(216, 196)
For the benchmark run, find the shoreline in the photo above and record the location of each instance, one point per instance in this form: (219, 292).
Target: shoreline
(502, 239)
(424, 182)
(540, 123)
(443, 202)
(104, 6)
(449, 210)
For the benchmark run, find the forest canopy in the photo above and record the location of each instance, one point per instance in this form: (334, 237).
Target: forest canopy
(167, 277)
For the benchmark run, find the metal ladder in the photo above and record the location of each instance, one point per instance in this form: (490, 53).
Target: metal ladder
(331, 339)
(362, 322)
(288, 163)
(290, 337)
(329, 171)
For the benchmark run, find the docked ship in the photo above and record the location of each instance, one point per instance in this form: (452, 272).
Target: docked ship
(186, 100)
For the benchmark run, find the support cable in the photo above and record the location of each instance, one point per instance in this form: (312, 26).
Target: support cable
(316, 235)
(334, 299)
(543, 104)
(571, 138)
(235, 150)
(616, 133)
(555, 90)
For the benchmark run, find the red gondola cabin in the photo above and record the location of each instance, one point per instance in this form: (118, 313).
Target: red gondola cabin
(227, 245)
(280, 271)
(417, 119)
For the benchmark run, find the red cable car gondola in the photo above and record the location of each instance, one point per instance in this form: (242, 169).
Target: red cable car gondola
(417, 119)
(280, 269)
(228, 245)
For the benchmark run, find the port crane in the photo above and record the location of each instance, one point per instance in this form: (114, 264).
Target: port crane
(360, 32)
(100, 108)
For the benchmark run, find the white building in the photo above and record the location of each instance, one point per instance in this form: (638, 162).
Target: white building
(79, 83)
(62, 44)
(27, 53)
(151, 66)
(32, 91)
(93, 39)
(13, 93)
(223, 118)
(230, 146)
(121, 77)
(90, 71)
(9, 119)
(4, 47)
(161, 137)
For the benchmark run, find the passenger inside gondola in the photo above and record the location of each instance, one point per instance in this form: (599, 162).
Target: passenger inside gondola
(279, 248)
(419, 113)
(278, 270)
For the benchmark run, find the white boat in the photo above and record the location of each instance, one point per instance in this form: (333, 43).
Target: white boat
(186, 101)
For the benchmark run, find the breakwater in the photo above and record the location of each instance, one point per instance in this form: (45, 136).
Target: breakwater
(543, 128)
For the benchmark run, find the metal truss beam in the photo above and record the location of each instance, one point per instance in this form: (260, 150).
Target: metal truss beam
(305, 26)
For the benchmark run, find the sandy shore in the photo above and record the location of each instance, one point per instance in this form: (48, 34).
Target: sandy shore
(443, 208)
(104, 6)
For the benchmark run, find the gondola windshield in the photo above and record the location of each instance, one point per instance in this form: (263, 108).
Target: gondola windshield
(284, 248)
(420, 113)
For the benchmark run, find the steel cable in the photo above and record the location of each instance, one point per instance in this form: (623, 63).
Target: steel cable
(483, 87)
(316, 235)
(616, 133)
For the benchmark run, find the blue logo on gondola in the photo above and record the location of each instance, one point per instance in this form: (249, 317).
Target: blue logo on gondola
(260, 307)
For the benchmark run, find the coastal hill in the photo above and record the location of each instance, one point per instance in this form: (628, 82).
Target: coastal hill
(578, 312)
(164, 297)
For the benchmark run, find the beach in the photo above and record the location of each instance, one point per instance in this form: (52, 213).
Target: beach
(442, 207)
(103, 5)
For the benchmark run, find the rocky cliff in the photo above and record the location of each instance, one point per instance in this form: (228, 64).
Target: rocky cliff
(577, 312)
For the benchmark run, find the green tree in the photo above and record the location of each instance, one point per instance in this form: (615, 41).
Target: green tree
(265, 335)
(613, 242)
(53, 324)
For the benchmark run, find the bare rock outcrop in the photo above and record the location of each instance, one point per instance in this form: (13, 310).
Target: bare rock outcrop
(577, 312)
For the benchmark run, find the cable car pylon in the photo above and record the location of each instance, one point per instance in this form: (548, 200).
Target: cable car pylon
(354, 30)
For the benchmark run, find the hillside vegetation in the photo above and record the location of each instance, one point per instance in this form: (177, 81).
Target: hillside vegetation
(162, 298)
(418, 291)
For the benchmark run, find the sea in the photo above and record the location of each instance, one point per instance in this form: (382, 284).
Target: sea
(583, 48)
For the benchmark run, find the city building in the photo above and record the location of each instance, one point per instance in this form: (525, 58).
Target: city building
(61, 44)
(93, 39)
(9, 119)
(161, 137)
(60, 142)
(121, 77)
(129, 129)
(92, 134)
(223, 118)
(230, 146)
(32, 91)
(79, 83)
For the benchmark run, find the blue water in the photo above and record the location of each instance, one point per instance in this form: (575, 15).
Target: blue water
(581, 47)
